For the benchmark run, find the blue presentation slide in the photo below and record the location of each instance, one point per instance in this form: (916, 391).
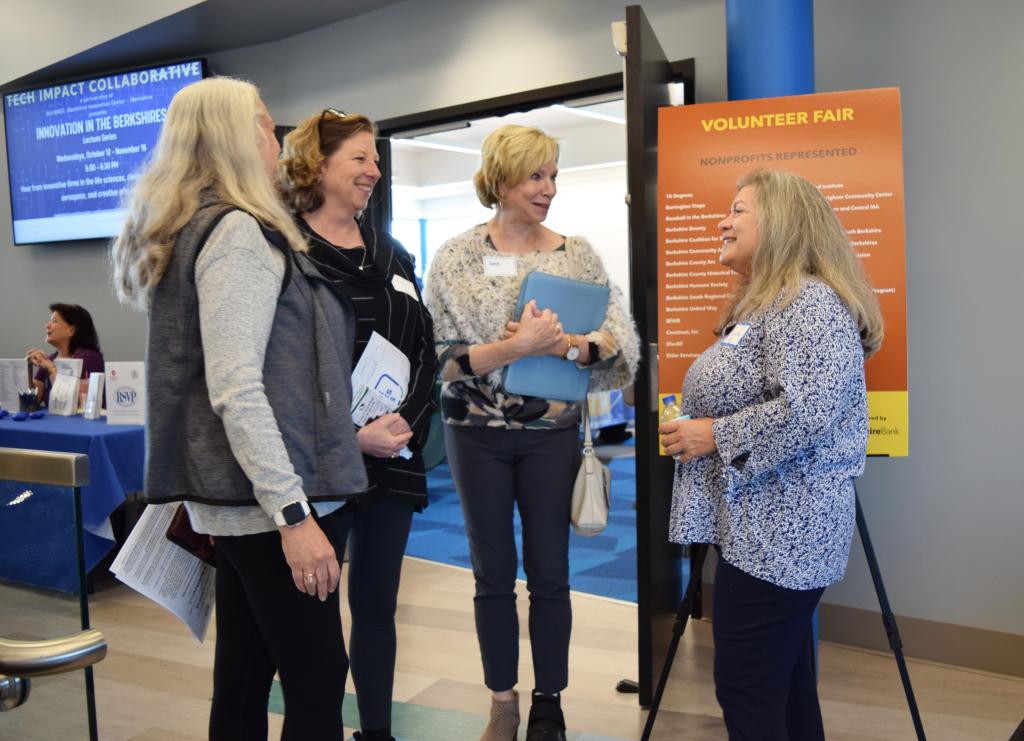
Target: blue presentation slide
(73, 149)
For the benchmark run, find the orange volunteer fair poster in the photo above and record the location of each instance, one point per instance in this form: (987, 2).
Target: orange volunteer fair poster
(850, 144)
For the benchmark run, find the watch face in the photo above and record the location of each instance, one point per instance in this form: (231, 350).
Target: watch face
(293, 514)
(574, 352)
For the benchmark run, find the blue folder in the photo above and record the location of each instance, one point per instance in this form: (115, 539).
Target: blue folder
(581, 308)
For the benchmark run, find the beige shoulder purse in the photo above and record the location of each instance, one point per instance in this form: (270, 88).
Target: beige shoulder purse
(591, 494)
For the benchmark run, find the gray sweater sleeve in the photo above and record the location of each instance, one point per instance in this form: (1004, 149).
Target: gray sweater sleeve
(238, 279)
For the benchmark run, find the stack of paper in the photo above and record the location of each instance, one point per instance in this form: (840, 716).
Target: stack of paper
(170, 576)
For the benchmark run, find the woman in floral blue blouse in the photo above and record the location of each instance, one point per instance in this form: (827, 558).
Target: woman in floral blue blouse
(778, 432)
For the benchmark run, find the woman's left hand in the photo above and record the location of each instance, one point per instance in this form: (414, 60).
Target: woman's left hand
(688, 438)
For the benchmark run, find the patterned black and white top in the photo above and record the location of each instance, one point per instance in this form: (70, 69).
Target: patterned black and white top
(790, 422)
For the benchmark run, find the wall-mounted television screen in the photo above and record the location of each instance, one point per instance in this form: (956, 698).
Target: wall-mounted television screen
(73, 148)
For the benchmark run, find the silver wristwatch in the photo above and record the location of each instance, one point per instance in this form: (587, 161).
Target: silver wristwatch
(574, 350)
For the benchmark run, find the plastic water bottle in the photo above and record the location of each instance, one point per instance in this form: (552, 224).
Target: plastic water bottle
(672, 411)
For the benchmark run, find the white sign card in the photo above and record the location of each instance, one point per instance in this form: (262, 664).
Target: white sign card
(94, 396)
(126, 393)
(64, 391)
(13, 378)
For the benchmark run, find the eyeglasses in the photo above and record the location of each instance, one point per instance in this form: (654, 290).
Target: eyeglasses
(332, 111)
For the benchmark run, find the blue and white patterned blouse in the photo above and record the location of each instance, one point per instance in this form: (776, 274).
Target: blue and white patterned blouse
(791, 426)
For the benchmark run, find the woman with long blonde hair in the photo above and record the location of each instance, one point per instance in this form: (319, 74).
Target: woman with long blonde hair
(776, 434)
(248, 395)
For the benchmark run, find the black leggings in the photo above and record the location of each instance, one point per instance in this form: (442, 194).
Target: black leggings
(376, 546)
(266, 625)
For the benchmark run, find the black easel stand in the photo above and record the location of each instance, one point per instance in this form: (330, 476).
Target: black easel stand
(888, 618)
(700, 550)
(888, 621)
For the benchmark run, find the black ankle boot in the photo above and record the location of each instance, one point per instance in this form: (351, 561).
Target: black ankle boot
(383, 734)
(546, 720)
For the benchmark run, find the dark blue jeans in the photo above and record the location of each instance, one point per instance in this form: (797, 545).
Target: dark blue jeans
(496, 470)
(764, 659)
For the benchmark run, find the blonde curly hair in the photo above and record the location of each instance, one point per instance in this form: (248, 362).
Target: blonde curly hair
(306, 148)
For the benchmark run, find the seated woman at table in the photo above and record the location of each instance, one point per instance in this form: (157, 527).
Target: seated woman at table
(72, 332)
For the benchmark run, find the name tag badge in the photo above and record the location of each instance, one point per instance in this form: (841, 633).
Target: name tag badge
(735, 337)
(402, 285)
(500, 266)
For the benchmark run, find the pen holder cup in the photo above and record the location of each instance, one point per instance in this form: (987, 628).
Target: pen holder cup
(28, 401)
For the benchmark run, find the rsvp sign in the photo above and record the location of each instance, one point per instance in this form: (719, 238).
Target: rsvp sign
(126, 393)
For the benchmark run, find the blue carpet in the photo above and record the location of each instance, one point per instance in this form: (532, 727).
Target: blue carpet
(603, 565)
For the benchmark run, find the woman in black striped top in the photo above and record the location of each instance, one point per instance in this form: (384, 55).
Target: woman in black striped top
(328, 172)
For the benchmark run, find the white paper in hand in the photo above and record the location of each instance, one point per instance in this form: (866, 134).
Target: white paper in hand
(367, 404)
(383, 369)
(169, 575)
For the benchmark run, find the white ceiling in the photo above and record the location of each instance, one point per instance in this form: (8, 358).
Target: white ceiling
(554, 120)
(585, 141)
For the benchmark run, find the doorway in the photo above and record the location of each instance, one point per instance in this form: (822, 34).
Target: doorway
(432, 194)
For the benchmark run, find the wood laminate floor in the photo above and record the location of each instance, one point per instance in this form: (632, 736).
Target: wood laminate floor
(155, 682)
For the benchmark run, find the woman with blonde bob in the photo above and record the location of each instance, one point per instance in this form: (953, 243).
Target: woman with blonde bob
(328, 172)
(777, 433)
(248, 387)
(507, 450)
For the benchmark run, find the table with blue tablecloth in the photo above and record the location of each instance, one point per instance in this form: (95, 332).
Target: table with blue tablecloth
(37, 538)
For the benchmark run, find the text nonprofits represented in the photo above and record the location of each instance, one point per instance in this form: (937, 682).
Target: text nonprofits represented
(850, 145)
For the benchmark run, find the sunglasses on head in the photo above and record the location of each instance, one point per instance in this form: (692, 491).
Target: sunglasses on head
(334, 112)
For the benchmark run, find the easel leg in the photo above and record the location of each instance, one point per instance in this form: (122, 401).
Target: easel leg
(700, 550)
(888, 618)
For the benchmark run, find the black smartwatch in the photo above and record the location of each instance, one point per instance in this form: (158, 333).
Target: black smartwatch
(292, 514)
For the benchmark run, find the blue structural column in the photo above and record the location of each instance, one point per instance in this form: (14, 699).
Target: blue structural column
(770, 46)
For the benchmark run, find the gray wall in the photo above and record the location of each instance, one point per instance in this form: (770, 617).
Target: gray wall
(31, 278)
(42, 33)
(946, 522)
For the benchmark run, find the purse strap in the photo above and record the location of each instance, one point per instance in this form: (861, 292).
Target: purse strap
(587, 442)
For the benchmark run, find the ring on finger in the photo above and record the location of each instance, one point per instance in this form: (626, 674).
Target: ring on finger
(310, 581)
